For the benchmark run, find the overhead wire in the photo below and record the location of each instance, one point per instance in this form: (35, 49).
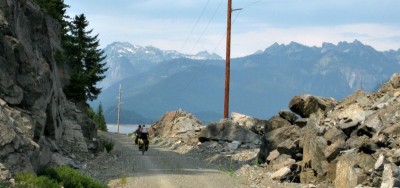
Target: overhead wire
(219, 43)
(208, 24)
(251, 4)
(195, 25)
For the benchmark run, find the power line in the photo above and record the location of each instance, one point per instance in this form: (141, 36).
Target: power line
(251, 4)
(208, 24)
(206, 61)
(198, 19)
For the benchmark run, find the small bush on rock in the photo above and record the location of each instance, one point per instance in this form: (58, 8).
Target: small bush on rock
(108, 144)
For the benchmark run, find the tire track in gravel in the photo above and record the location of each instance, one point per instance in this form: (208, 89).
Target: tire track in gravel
(159, 167)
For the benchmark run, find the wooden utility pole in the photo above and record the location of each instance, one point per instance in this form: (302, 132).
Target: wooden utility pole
(228, 60)
(119, 105)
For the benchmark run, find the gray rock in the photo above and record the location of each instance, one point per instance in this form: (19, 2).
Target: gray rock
(380, 162)
(273, 155)
(2, 103)
(234, 145)
(307, 105)
(359, 97)
(280, 135)
(356, 141)
(334, 134)
(177, 124)
(209, 144)
(281, 161)
(392, 84)
(301, 122)
(251, 123)
(7, 134)
(280, 173)
(288, 147)
(365, 161)
(346, 175)
(4, 173)
(58, 159)
(228, 131)
(313, 147)
(243, 120)
(333, 150)
(391, 176)
(288, 115)
(352, 116)
(383, 118)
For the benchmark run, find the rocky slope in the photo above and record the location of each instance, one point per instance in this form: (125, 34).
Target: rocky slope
(320, 142)
(38, 126)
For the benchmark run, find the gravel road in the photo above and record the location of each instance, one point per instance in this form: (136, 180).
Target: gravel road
(125, 166)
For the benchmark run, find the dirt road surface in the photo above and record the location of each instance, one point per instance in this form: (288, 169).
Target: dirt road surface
(125, 166)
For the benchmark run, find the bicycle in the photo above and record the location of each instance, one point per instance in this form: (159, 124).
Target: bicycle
(143, 145)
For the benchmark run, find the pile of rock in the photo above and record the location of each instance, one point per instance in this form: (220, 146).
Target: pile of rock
(177, 126)
(350, 143)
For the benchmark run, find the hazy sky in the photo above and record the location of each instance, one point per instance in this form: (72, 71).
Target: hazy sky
(171, 24)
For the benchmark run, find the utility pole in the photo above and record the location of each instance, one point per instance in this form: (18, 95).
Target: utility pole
(119, 105)
(228, 60)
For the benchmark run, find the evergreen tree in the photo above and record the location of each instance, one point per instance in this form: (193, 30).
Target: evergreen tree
(99, 119)
(85, 58)
(56, 9)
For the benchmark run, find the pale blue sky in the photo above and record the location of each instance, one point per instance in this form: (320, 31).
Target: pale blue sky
(167, 24)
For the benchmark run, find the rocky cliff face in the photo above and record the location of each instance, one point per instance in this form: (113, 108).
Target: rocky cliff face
(37, 123)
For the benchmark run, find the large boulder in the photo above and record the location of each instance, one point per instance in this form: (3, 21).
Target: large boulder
(391, 176)
(313, 152)
(229, 132)
(392, 84)
(179, 125)
(383, 118)
(346, 175)
(311, 106)
(288, 115)
(254, 124)
(281, 136)
(352, 116)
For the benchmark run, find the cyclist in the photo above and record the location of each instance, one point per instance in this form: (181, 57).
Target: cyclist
(144, 136)
(138, 133)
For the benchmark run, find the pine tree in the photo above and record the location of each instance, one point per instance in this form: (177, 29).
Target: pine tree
(85, 58)
(99, 119)
(56, 9)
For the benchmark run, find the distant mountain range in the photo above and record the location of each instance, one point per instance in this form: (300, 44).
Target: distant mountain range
(125, 59)
(156, 81)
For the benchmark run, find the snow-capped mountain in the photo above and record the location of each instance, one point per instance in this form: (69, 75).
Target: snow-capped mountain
(261, 84)
(125, 59)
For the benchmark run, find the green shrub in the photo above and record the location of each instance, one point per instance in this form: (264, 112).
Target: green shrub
(98, 118)
(33, 181)
(90, 113)
(71, 178)
(4, 185)
(108, 144)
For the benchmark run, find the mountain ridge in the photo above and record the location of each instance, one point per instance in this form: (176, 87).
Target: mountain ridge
(261, 83)
(134, 59)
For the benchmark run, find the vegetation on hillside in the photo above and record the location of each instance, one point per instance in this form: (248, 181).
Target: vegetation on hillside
(98, 118)
(85, 58)
(55, 177)
(81, 52)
